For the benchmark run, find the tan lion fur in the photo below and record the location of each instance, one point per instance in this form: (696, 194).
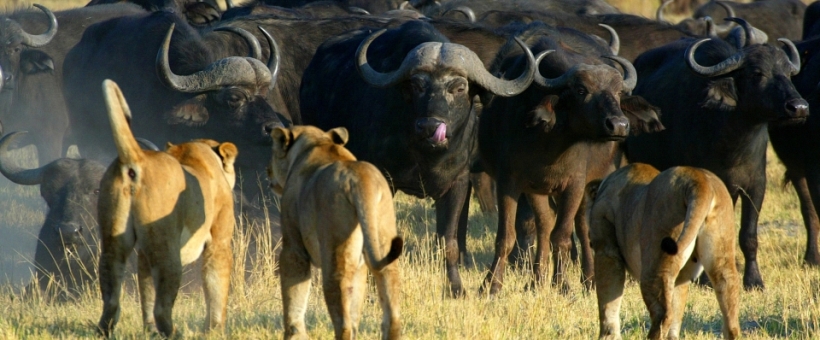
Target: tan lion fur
(173, 206)
(664, 229)
(338, 215)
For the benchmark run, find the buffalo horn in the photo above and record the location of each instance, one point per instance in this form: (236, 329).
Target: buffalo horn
(467, 11)
(751, 34)
(730, 64)
(730, 13)
(1, 79)
(273, 58)
(630, 74)
(13, 172)
(614, 41)
(550, 83)
(659, 12)
(250, 39)
(453, 53)
(406, 5)
(794, 56)
(710, 26)
(147, 144)
(229, 4)
(358, 10)
(224, 72)
(40, 40)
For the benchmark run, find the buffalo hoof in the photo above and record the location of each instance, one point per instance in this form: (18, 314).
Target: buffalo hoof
(457, 292)
(812, 259)
(753, 282)
(466, 259)
(495, 287)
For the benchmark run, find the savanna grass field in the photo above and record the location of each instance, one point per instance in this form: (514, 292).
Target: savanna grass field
(788, 308)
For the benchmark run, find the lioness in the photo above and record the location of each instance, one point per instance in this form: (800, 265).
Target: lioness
(665, 229)
(173, 206)
(334, 210)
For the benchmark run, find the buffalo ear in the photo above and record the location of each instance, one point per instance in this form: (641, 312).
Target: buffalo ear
(721, 95)
(191, 112)
(643, 117)
(339, 135)
(591, 190)
(282, 139)
(34, 61)
(543, 114)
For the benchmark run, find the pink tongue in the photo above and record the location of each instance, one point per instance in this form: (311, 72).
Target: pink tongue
(440, 134)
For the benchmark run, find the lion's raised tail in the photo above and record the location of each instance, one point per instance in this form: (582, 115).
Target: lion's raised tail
(120, 117)
(369, 218)
(699, 201)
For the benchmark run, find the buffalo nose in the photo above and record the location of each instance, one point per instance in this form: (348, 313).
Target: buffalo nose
(617, 126)
(70, 232)
(427, 126)
(797, 108)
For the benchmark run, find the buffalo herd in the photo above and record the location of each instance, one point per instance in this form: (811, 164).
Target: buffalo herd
(544, 97)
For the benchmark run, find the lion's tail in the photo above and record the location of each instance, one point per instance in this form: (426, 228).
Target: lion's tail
(699, 201)
(370, 218)
(120, 117)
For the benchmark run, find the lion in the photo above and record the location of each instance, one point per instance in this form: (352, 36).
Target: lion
(174, 207)
(337, 214)
(664, 228)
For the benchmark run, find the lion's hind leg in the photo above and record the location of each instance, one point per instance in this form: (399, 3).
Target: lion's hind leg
(216, 270)
(658, 290)
(388, 283)
(610, 275)
(115, 251)
(341, 277)
(718, 257)
(294, 274)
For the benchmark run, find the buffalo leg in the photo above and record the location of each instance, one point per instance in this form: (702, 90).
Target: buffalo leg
(582, 231)
(463, 218)
(752, 202)
(448, 213)
(544, 223)
(561, 237)
(812, 188)
(505, 237)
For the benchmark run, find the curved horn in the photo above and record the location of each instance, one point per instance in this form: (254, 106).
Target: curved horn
(710, 26)
(467, 11)
(147, 144)
(229, 4)
(221, 73)
(13, 172)
(630, 74)
(372, 76)
(614, 41)
(659, 12)
(501, 87)
(406, 5)
(730, 12)
(752, 34)
(42, 39)
(358, 10)
(1, 79)
(550, 83)
(730, 64)
(273, 58)
(794, 56)
(253, 43)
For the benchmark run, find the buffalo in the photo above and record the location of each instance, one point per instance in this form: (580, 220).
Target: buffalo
(197, 12)
(68, 240)
(408, 97)
(32, 51)
(554, 138)
(717, 117)
(778, 18)
(797, 147)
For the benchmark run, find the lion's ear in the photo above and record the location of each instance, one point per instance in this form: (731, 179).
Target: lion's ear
(282, 138)
(168, 145)
(228, 152)
(339, 135)
(592, 189)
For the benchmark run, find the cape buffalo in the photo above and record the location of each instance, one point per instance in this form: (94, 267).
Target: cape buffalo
(32, 50)
(408, 102)
(778, 18)
(67, 242)
(717, 116)
(198, 12)
(798, 148)
(554, 138)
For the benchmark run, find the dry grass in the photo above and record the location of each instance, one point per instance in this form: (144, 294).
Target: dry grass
(789, 307)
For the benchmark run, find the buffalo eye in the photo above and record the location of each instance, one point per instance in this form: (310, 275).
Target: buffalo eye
(581, 91)
(96, 191)
(234, 98)
(457, 87)
(417, 85)
(16, 49)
